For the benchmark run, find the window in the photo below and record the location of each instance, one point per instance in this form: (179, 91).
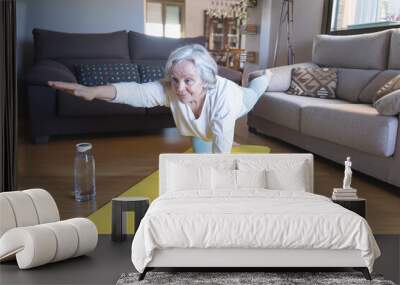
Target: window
(357, 16)
(165, 18)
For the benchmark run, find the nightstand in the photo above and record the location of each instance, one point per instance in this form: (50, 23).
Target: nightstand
(120, 206)
(358, 205)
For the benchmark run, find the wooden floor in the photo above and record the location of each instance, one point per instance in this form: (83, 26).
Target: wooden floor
(123, 160)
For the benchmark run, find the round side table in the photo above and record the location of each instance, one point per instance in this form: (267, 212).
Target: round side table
(120, 206)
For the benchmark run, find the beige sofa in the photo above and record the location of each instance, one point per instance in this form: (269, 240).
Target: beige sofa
(348, 125)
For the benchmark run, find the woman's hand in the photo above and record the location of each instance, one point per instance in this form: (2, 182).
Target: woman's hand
(84, 92)
(106, 92)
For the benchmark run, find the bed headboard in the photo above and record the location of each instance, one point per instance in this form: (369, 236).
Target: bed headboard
(231, 161)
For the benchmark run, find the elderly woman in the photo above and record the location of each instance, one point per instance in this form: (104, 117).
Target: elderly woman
(204, 105)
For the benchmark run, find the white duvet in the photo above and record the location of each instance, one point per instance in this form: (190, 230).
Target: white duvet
(250, 219)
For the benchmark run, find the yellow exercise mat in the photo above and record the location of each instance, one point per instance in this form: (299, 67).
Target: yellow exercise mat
(148, 187)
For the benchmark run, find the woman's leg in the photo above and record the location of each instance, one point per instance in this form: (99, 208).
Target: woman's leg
(201, 146)
(256, 88)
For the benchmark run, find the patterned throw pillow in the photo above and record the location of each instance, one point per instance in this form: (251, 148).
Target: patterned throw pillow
(314, 82)
(390, 86)
(150, 73)
(103, 73)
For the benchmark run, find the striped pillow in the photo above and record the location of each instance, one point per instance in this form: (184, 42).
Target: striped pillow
(314, 82)
(390, 86)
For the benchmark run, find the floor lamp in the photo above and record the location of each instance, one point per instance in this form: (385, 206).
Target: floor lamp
(286, 18)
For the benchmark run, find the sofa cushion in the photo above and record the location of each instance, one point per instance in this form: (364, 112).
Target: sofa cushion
(368, 93)
(389, 105)
(351, 82)
(367, 51)
(49, 70)
(231, 74)
(71, 63)
(394, 52)
(68, 105)
(284, 109)
(281, 76)
(58, 45)
(390, 86)
(314, 82)
(146, 47)
(156, 62)
(159, 110)
(150, 73)
(358, 126)
(104, 73)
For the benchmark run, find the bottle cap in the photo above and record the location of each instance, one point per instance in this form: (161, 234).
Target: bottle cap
(82, 147)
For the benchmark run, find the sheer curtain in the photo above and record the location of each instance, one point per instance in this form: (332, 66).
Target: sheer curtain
(8, 96)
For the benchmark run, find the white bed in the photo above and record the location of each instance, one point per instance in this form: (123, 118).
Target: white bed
(247, 210)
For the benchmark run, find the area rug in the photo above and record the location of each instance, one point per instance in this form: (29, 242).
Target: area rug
(243, 278)
(148, 187)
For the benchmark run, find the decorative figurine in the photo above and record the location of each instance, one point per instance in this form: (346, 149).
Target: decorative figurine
(347, 174)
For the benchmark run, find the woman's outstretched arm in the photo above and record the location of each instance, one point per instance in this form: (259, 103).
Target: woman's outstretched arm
(148, 95)
(105, 92)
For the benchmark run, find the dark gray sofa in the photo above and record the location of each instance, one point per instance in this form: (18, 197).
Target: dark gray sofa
(52, 112)
(348, 125)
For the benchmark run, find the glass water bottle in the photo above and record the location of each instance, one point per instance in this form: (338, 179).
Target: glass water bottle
(84, 173)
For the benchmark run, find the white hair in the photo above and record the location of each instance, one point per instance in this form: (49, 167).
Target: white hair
(202, 60)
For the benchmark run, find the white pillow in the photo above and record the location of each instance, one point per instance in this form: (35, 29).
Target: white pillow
(251, 178)
(287, 177)
(280, 174)
(227, 179)
(223, 179)
(182, 177)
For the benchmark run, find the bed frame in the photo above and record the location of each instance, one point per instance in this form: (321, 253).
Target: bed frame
(250, 258)
(243, 259)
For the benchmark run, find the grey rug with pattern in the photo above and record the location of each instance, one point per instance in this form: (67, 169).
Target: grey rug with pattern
(230, 278)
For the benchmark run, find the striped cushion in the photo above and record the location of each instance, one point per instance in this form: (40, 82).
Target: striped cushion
(390, 86)
(314, 82)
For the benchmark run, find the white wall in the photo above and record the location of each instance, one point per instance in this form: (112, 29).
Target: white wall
(307, 24)
(194, 17)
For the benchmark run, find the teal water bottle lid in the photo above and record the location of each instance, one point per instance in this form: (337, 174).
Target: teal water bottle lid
(82, 147)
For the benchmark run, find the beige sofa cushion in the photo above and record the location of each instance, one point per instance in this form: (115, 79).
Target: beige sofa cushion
(390, 86)
(281, 76)
(394, 52)
(284, 109)
(368, 93)
(357, 126)
(389, 105)
(367, 51)
(351, 82)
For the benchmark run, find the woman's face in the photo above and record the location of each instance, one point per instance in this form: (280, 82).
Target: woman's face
(186, 82)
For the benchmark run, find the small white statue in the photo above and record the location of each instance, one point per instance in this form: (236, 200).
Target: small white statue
(347, 174)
